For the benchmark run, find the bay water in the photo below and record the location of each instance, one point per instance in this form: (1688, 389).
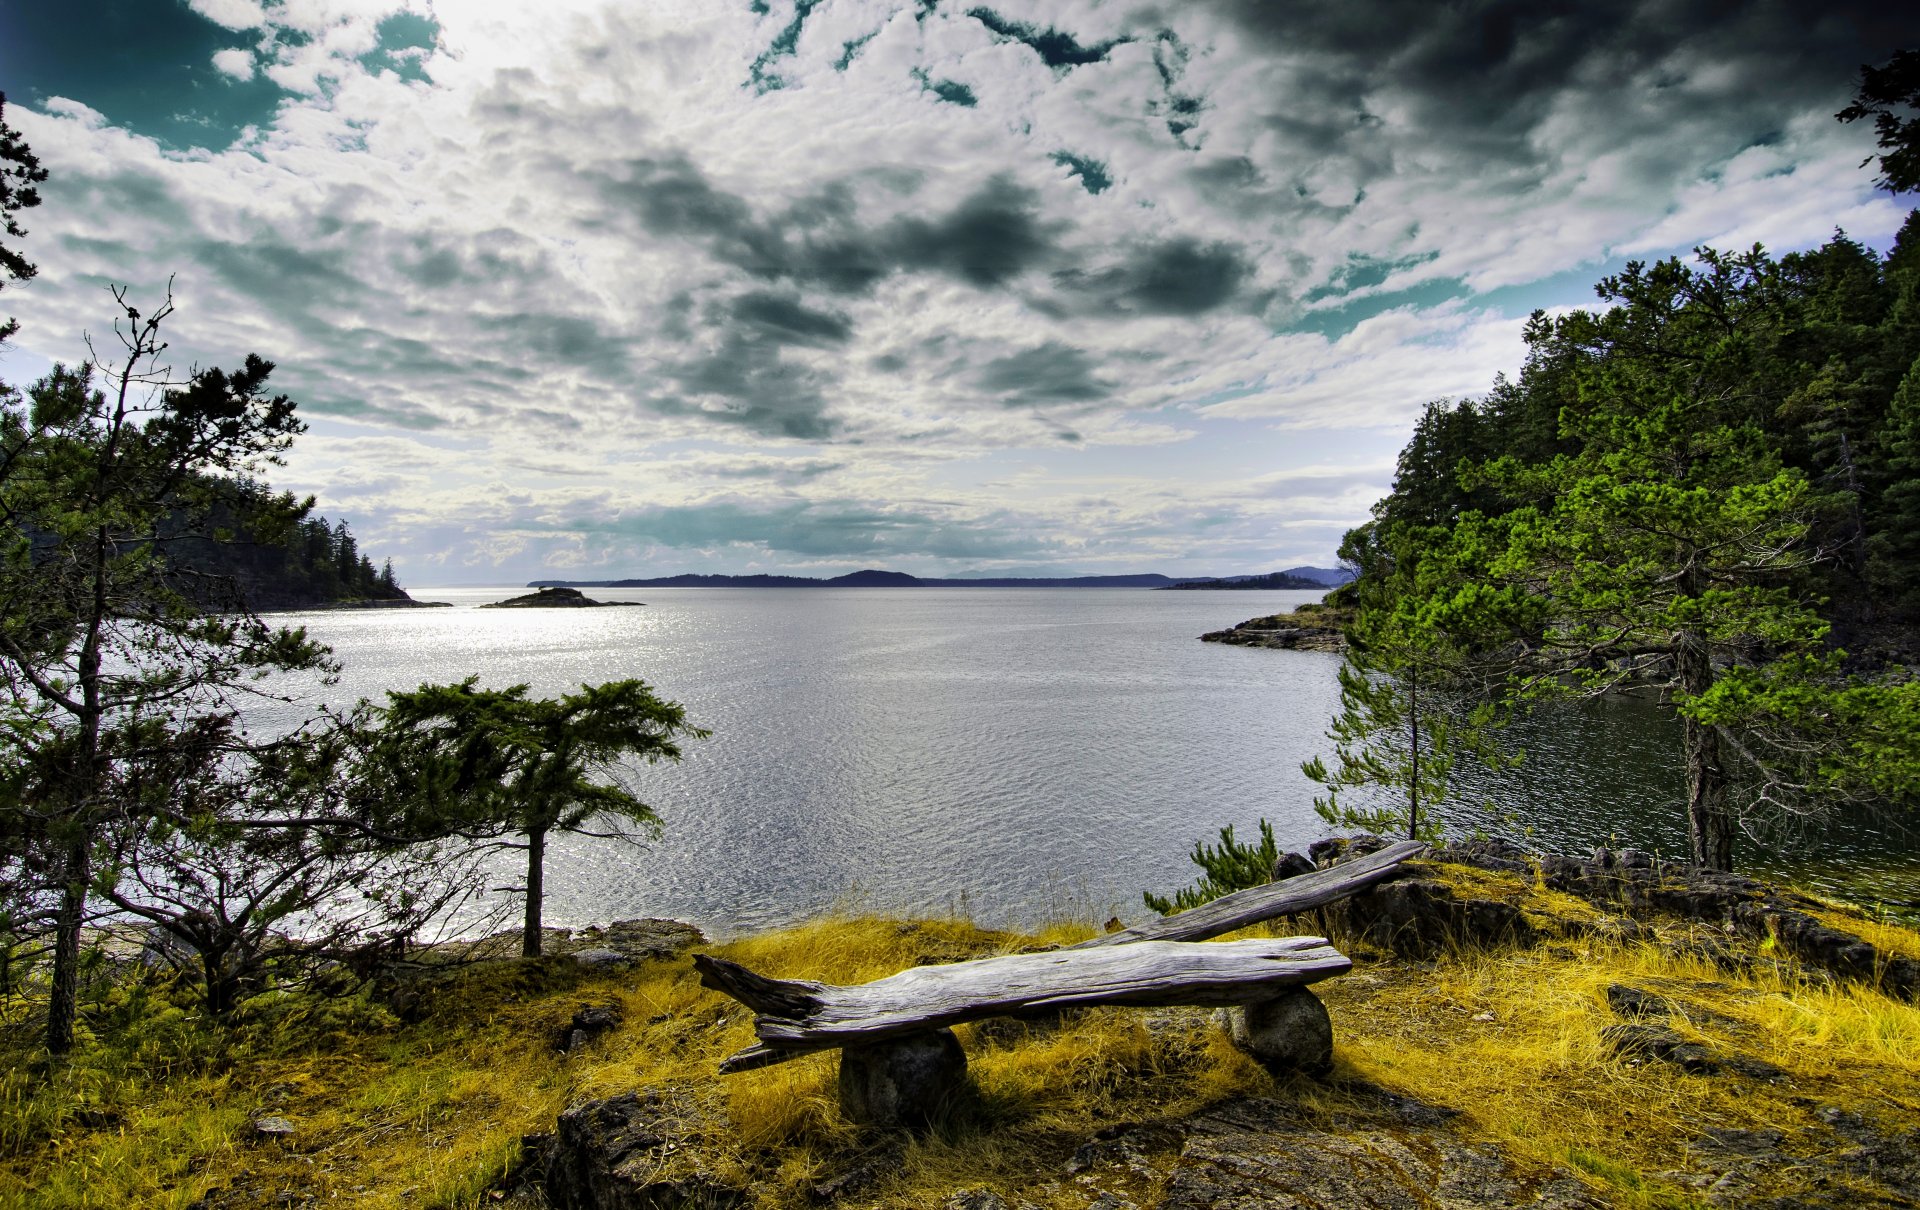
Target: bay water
(1014, 755)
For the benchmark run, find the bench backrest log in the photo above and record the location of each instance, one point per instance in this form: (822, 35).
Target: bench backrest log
(1257, 904)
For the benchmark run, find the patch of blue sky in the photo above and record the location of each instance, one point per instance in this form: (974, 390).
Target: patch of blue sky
(1337, 320)
(784, 45)
(850, 50)
(148, 67)
(405, 41)
(1092, 173)
(951, 91)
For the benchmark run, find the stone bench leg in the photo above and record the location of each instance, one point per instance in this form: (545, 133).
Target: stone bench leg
(902, 1081)
(1289, 1032)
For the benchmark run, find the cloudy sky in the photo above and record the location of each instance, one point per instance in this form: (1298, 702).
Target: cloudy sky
(636, 287)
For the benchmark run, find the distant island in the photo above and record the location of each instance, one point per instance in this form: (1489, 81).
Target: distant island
(1277, 579)
(1295, 577)
(556, 598)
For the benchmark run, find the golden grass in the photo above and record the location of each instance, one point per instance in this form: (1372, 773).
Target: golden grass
(431, 1113)
(1536, 1077)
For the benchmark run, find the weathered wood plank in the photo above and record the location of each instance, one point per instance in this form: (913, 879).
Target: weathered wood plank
(797, 1015)
(1242, 908)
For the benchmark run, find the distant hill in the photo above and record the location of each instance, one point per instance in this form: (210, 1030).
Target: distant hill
(1292, 578)
(864, 579)
(1332, 577)
(1308, 577)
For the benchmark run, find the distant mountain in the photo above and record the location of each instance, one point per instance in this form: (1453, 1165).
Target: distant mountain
(1272, 580)
(867, 579)
(1306, 577)
(1295, 578)
(1332, 577)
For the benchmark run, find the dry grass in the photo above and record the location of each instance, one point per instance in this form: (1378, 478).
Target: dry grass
(1536, 1077)
(431, 1113)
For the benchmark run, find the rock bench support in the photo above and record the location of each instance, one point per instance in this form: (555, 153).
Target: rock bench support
(900, 1062)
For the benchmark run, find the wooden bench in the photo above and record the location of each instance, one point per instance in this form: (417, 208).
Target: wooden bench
(899, 1057)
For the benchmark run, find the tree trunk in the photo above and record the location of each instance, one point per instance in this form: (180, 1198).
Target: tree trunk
(1709, 813)
(63, 1002)
(536, 862)
(1413, 780)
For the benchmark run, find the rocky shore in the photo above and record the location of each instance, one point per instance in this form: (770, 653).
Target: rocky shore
(1306, 629)
(1683, 1023)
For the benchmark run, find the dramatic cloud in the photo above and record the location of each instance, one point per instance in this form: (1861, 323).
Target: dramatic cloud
(1059, 285)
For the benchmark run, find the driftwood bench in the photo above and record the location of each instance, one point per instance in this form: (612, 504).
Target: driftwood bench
(899, 1057)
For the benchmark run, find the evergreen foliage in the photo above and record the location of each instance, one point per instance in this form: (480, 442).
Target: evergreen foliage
(20, 178)
(485, 762)
(1232, 865)
(1705, 490)
(112, 670)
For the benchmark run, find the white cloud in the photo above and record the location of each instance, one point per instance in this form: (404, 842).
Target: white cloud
(235, 63)
(233, 14)
(584, 275)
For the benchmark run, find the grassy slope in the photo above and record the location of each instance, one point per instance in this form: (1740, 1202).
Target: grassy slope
(156, 1111)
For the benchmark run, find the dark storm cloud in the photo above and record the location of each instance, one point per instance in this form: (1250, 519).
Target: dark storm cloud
(787, 321)
(1484, 73)
(824, 529)
(1173, 277)
(752, 387)
(992, 236)
(989, 239)
(1045, 374)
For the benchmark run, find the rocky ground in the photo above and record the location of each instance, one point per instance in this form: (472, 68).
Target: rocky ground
(1692, 1043)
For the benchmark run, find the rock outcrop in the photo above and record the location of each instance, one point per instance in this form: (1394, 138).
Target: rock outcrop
(629, 1152)
(1637, 883)
(556, 598)
(1284, 631)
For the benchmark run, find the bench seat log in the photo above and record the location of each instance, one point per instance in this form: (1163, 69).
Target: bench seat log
(794, 1017)
(1256, 904)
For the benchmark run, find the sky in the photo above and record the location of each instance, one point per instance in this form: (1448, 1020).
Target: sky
(607, 288)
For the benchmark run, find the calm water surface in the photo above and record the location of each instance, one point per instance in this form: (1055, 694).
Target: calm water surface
(1015, 754)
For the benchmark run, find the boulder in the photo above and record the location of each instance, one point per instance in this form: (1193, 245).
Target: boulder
(904, 1081)
(1422, 917)
(649, 937)
(632, 1152)
(1336, 849)
(1290, 1032)
(1638, 882)
(1655, 1042)
(1291, 865)
(1633, 1003)
(271, 1127)
(589, 1022)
